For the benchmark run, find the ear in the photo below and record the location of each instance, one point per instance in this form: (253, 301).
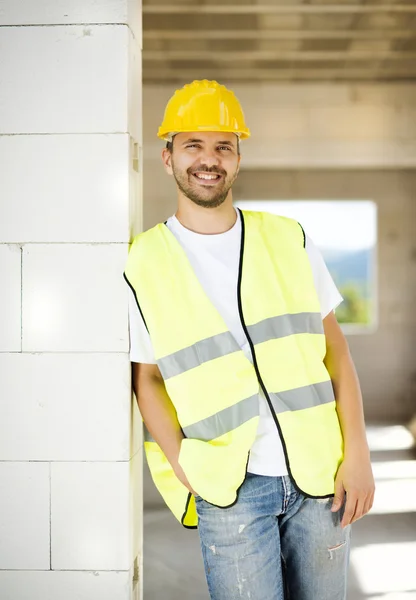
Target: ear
(167, 161)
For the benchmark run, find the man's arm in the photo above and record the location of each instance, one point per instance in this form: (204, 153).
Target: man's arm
(354, 474)
(159, 414)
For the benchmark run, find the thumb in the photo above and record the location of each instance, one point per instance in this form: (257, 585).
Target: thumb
(339, 495)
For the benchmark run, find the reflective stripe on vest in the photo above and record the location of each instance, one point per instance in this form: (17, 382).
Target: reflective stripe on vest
(230, 418)
(224, 343)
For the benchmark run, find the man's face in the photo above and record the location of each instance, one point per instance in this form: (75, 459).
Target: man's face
(205, 165)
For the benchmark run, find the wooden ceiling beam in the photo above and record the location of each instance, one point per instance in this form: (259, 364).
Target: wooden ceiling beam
(276, 74)
(280, 55)
(278, 34)
(258, 9)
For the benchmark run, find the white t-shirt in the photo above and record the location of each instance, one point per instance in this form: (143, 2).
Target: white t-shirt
(215, 261)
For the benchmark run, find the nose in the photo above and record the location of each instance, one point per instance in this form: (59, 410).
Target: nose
(209, 157)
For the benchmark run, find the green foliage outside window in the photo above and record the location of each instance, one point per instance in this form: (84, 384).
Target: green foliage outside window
(356, 307)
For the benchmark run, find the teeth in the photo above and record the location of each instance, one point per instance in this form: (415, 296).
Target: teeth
(207, 176)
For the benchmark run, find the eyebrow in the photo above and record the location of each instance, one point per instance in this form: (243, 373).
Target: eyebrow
(191, 140)
(196, 141)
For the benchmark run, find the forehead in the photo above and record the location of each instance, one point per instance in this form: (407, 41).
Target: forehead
(209, 137)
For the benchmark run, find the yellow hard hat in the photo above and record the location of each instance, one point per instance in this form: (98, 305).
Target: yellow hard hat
(203, 106)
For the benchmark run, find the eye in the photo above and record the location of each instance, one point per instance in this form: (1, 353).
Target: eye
(225, 148)
(193, 146)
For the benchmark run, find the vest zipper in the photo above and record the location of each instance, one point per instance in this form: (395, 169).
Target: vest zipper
(256, 366)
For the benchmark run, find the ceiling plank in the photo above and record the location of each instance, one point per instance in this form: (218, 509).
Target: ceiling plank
(277, 34)
(280, 55)
(257, 9)
(276, 74)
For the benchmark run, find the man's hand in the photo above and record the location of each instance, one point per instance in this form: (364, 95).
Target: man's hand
(355, 477)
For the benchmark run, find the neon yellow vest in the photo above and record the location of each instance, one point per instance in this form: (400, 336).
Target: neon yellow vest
(214, 387)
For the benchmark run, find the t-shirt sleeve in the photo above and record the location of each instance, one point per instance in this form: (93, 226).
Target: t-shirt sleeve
(328, 294)
(141, 350)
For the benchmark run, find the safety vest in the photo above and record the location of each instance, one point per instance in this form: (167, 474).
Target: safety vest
(212, 384)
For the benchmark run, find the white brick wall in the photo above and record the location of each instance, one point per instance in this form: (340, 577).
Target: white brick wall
(70, 201)
(64, 79)
(74, 298)
(10, 298)
(48, 205)
(47, 12)
(60, 406)
(24, 516)
(65, 585)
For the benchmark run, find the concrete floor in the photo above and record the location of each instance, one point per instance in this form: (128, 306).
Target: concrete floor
(383, 553)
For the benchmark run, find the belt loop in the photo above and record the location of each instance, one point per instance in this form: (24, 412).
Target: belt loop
(286, 487)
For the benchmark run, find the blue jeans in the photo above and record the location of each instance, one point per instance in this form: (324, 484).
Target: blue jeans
(274, 544)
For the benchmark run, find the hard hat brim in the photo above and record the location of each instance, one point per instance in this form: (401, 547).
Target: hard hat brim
(168, 135)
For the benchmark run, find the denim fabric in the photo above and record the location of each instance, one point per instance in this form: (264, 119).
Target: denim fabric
(274, 544)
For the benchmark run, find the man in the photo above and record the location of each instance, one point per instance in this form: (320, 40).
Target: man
(236, 357)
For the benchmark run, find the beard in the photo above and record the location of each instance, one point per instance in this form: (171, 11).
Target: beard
(210, 196)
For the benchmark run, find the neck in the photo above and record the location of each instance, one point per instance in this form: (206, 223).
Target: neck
(206, 220)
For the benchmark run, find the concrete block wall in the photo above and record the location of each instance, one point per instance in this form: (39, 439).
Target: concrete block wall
(328, 142)
(70, 202)
(313, 125)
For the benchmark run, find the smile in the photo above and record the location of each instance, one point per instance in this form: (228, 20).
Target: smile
(207, 178)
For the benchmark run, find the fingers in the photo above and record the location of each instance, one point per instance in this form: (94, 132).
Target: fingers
(368, 503)
(364, 506)
(350, 509)
(359, 509)
(356, 507)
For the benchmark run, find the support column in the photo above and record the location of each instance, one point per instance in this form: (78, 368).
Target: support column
(70, 203)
